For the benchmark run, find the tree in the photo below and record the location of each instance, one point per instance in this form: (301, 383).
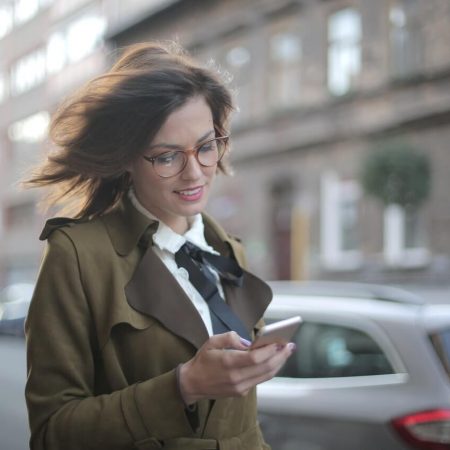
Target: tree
(397, 173)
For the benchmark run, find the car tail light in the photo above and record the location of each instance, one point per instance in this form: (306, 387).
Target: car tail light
(427, 430)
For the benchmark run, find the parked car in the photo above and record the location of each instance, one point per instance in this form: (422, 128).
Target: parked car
(371, 371)
(14, 303)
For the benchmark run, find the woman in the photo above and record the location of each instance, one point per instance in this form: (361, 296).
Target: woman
(123, 350)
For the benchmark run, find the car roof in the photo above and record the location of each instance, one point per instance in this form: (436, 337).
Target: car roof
(436, 317)
(346, 290)
(353, 300)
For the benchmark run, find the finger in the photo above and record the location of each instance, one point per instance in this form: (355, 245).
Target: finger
(235, 380)
(244, 363)
(267, 366)
(254, 375)
(261, 354)
(230, 340)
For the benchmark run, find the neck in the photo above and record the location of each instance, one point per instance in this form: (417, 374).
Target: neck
(180, 225)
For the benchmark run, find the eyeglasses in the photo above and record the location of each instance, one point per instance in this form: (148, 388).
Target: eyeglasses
(207, 154)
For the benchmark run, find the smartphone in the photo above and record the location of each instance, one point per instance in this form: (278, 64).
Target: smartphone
(277, 333)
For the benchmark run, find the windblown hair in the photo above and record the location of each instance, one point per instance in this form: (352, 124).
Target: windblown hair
(109, 122)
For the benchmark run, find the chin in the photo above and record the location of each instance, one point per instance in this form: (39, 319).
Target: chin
(192, 210)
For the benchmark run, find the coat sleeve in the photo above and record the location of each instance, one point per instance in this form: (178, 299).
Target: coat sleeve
(64, 412)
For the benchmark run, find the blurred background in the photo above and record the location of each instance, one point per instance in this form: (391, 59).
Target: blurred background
(339, 145)
(332, 95)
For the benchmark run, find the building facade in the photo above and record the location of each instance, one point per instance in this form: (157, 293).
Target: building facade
(47, 49)
(319, 84)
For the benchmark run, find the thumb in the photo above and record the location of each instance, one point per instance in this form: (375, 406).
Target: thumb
(229, 340)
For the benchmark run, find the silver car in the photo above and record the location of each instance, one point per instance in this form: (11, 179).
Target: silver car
(14, 303)
(371, 371)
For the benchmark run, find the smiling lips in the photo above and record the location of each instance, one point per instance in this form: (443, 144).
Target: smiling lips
(191, 195)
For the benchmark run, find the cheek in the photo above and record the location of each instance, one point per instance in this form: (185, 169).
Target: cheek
(142, 176)
(210, 172)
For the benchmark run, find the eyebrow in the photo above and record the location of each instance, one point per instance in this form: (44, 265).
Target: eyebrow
(174, 146)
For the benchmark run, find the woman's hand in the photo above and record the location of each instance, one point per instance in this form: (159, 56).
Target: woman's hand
(224, 367)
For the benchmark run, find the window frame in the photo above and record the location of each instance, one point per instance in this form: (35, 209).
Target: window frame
(333, 45)
(365, 325)
(241, 79)
(323, 329)
(333, 255)
(412, 65)
(395, 251)
(279, 69)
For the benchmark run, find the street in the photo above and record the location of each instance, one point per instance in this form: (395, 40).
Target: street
(14, 433)
(13, 418)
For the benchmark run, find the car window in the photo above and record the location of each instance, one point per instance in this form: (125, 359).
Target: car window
(441, 343)
(325, 351)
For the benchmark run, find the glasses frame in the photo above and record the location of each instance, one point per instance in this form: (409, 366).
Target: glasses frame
(186, 152)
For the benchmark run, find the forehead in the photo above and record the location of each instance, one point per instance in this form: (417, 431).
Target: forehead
(190, 121)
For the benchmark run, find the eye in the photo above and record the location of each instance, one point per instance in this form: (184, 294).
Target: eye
(167, 158)
(208, 147)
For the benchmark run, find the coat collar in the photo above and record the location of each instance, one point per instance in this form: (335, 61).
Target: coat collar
(126, 227)
(153, 291)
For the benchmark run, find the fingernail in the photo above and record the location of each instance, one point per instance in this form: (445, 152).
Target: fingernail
(245, 342)
(291, 346)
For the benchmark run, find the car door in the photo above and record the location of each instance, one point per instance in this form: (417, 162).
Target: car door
(330, 393)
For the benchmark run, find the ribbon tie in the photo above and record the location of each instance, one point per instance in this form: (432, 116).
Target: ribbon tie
(198, 263)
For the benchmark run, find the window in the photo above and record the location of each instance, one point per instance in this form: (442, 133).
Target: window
(3, 88)
(340, 222)
(28, 72)
(328, 350)
(238, 62)
(31, 129)
(56, 53)
(25, 10)
(18, 12)
(6, 19)
(406, 38)
(83, 36)
(285, 69)
(75, 42)
(344, 51)
(404, 237)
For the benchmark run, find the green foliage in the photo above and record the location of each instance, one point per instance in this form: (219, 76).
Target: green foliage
(397, 173)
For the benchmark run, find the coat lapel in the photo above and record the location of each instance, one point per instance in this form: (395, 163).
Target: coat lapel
(154, 291)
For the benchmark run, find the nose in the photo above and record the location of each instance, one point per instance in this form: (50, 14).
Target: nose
(193, 169)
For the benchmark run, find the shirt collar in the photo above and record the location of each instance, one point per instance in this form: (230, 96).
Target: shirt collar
(167, 239)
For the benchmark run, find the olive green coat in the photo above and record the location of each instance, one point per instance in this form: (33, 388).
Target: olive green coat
(107, 327)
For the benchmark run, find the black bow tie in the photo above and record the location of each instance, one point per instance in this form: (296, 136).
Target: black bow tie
(228, 269)
(198, 263)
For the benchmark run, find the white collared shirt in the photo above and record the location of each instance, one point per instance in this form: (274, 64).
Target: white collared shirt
(167, 242)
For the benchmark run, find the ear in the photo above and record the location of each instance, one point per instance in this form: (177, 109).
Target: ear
(129, 168)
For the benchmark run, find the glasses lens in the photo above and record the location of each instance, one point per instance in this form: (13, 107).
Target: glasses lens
(210, 152)
(169, 164)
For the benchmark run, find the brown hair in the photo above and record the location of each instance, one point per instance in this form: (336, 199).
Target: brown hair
(108, 123)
